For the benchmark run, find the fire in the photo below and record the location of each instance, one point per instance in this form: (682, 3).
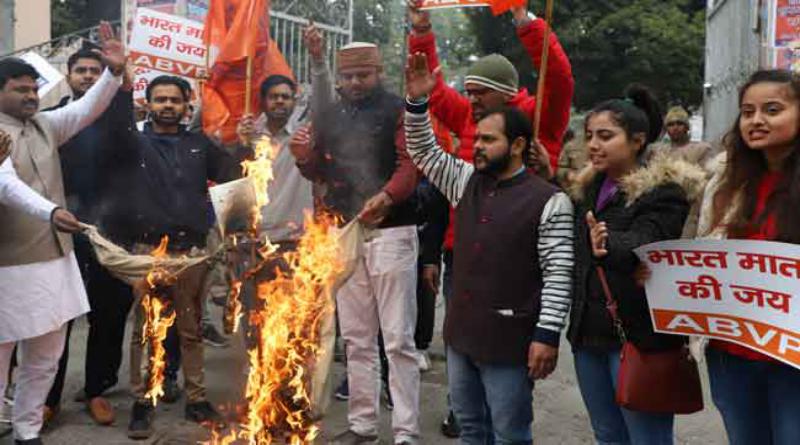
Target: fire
(259, 170)
(286, 333)
(158, 319)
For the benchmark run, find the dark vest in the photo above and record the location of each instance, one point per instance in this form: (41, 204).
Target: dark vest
(496, 268)
(359, 155)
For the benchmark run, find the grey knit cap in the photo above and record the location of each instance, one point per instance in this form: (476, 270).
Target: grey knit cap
(496, 72)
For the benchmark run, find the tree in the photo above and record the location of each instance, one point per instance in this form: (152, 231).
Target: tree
(612, 43)
(66, 16)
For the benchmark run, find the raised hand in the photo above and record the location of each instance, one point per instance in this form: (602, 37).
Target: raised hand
(314, 41)
(539, 160)
(245, 129)
(420, 20)
(419, 80)
(113, 51)
(598, 235)
(5, 145)
(300, 144)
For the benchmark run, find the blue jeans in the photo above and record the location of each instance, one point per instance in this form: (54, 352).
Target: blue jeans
(493, 403)
(612, 424)
(759, 401)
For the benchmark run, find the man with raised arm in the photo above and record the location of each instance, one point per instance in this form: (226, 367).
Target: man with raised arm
(40, 283)
(512, 271)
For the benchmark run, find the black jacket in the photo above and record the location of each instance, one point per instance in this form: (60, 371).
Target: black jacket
(434, 216)
(162, 186)
(651, 205)
(87, 160)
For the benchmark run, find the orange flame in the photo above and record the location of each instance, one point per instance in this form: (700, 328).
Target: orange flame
(158, 319)
(286, 331)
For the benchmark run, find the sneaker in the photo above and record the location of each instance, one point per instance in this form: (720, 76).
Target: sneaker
(213, 338)
(141, 425)
(450, 427)
(172, 391)
(424, 361)
(343, 391)
(203, 412)
(388, 402)
(351, 438)
(36, 441)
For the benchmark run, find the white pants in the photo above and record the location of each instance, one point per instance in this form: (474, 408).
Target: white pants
(38, 363)
(381, 294)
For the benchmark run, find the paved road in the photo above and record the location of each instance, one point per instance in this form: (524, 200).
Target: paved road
(560, 417)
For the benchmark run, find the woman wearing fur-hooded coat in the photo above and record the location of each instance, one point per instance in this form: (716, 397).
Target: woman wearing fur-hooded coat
(622, 204)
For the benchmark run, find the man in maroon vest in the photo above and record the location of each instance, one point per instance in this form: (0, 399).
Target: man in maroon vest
(513, 261)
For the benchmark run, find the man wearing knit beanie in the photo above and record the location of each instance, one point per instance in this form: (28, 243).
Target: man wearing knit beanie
(491, 82)
(358, 153)
(680, 144)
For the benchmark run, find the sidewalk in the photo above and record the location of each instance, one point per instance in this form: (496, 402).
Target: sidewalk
(560, 417)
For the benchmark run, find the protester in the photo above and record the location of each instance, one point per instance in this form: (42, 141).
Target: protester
(571, 161)
(621, 204)
(680, 144)
(290, 194)
(40, 286)
(358, 155)
(513, 264)
(755, 195)
(164, 192)
(86, 164)
(490, 82)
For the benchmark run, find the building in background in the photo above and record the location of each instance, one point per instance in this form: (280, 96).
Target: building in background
(741, 37)
(23, 23)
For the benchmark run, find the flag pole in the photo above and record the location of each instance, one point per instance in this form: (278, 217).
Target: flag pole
(248, 87)
(537, 117)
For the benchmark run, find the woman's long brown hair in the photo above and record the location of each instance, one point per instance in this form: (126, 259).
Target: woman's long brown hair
(746, 167)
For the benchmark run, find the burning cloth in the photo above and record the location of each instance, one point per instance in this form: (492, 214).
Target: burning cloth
(132, 268)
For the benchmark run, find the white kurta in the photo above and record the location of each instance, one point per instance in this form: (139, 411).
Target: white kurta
(39, 298)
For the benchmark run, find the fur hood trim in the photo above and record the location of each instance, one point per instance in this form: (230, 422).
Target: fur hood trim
(659, 171)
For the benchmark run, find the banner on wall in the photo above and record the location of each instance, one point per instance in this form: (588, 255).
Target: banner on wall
(745, 292)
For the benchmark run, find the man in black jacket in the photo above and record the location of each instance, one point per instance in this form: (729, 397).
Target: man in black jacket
(165, 188)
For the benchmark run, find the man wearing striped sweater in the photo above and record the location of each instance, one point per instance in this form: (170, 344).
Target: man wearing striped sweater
(513, 261)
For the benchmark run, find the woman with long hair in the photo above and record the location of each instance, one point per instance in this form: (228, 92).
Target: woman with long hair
(621, 203)
(755, 195)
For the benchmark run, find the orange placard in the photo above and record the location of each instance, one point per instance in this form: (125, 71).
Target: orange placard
(767, 339)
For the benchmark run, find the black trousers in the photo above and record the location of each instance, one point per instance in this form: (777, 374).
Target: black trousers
(110, 301)
(426, 312)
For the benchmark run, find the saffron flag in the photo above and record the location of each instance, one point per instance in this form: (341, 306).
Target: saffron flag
(501, 6)
(235, 30)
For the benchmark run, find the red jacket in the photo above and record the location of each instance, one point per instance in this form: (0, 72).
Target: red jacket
(455, 111)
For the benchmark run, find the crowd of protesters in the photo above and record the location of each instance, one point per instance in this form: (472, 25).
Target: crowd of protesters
(514, 228)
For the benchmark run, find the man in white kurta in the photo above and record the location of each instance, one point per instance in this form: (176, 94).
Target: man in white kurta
(40, 283)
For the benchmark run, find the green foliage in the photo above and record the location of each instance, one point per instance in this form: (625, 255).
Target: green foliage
(66, 16)
(612, 43)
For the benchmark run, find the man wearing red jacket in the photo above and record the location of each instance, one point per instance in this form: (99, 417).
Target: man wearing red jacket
(493, 81)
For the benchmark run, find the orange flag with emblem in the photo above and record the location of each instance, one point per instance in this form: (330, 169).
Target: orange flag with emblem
(234, 31)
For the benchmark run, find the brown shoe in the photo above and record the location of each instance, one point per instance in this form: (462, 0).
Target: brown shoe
(101, 411)
(49, 414)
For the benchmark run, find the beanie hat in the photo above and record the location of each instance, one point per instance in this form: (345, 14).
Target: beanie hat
(677, 114)
(358, 54)
(495, 72)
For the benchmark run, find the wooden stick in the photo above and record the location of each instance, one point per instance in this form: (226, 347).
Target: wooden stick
(537, 117)
(248, 87)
